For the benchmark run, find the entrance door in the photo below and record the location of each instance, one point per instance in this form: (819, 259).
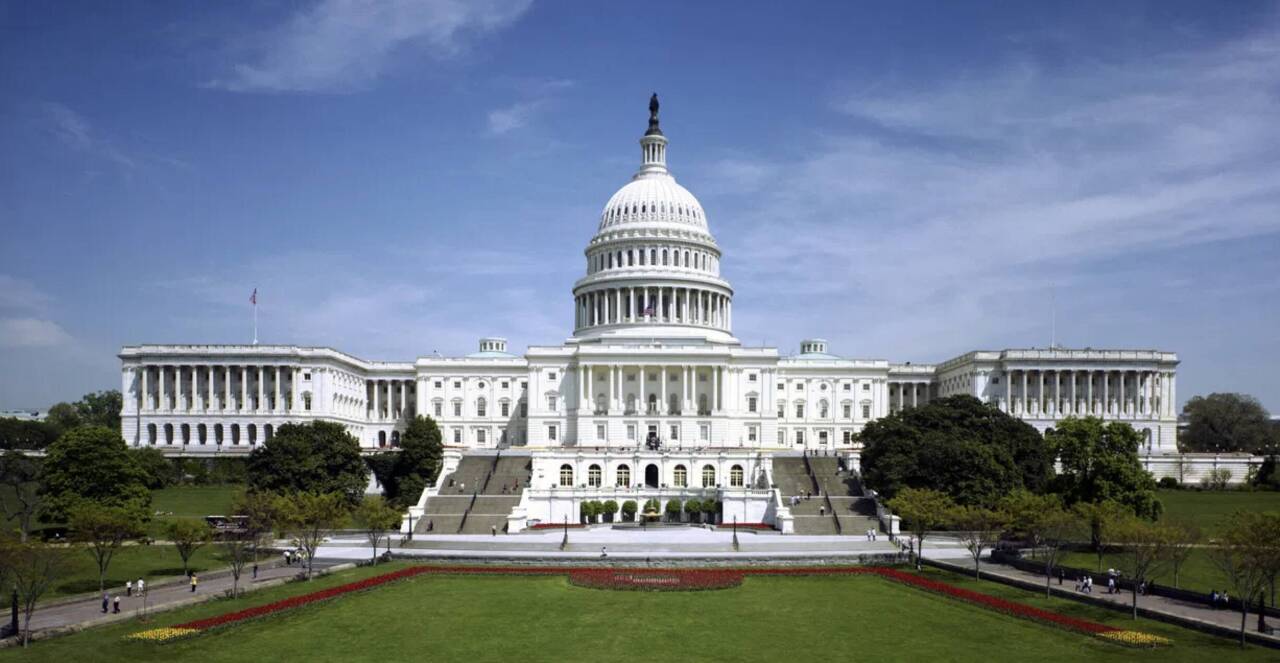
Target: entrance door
(651, 476)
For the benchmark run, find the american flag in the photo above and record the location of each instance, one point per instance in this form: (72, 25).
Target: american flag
(253, 299)
(649, 310)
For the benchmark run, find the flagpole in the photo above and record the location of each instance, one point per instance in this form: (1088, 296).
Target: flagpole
(255, 316)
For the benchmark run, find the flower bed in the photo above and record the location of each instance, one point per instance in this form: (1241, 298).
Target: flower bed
(650, 579)
(556, 526)
(663, 580)
(754, 526)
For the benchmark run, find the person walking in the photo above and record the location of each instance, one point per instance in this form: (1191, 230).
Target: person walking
(106, 601)
(255, 570)
(128, 588)
(115, 604)
(194, 581)
(142, 586)
(604, 552)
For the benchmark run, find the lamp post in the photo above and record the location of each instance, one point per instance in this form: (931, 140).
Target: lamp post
(735, 533)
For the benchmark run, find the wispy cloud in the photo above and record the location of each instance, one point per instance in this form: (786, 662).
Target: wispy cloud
(538, 95)
(74, 132)
(32, 333)
(966, 201)
(344, 45)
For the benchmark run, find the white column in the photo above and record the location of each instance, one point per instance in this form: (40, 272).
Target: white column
(715, 390)
(226, 387)
(1106, 392)
(662, 391)
(146, 395)
(161, 400)
(1040, 393)
(644, 397)
(1008, 392)
(1075, 397)
(915, 394)
(262, 389)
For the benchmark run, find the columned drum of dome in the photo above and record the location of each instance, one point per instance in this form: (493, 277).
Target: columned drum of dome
(653, 267)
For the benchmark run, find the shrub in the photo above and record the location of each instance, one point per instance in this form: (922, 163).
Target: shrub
(673, 511)
(629, 508)
(1217, 479)
(694, 509)
(1169, 483)
(609, 509)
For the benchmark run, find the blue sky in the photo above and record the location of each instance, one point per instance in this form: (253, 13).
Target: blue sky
(909, 182)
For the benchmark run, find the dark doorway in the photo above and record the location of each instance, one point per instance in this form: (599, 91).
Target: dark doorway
(651, 476)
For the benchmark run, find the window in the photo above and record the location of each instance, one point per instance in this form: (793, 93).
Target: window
(751, 377)
(846, 437)
(847, 411)
(439, 384)
(599, 431)
(822, 437)
(704, 432)
(457, 408)
(306, 401)
(457, 384)
(735, 476)
(799, 437)
(524, 384)
(681, 476)
(751, 434)
(751, 404)
(708, 476)
(457, 436)
(480, 407)
(675, 431)
(847, 386)
(822, 409)
(799, 410)
(480, 436)
(551, 376)
(438, 408)
(782, 409)
(505, 409)
(594, 476)
(631, 432)
(551, 433)
(781, 386)
(866, 386)
(866, 411)
(624, 476)
(506, 385)
(551, 402)
(306, 377)
(566, 473)
(782, 437)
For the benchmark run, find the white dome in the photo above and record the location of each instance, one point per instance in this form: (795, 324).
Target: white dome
(653, 198)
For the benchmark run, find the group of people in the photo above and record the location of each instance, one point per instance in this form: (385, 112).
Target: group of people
(1219, 599)
(291, 557)
(872, 534)
(112, 603)
(1084, 584)
(801, 495)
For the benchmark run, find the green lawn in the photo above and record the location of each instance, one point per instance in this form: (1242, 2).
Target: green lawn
(1209, 509)
(546, 619)
(190, 502)
(130, 563)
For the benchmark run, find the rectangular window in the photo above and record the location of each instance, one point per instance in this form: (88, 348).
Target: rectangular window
(751, 433)
(847, 386)
(551, 376)
(631, 432)
(457, 384)
(846, 437)
(551, 403)
(782, 437)
(675, 432)
(799, 410)
(439, 407)
(506, 409)
(306, 377)
(799, 437)
(751, 404)
(506, 385)
(781, 386)
(704, 432)
(551, 433)
(848, 411)
(524, 384)
(480, 436)
(866, 411)
(866, 386)
(781, 411)
(599, 431)
(822, 437)
(751, 377)
(439, 384)
(457, 409)
(631, 377)
(457, 436)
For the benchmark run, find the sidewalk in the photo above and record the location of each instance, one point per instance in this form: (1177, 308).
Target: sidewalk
(83, 613)
(1184, 613)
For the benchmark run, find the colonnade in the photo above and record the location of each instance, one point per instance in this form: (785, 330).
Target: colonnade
(390, 399)
(1107, 393)
(647, 398)
(196, 388)
(656, 304)
(903, 395)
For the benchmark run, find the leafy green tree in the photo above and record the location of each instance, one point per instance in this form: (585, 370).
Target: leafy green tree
(1042, 521)
(629, 508)
(19, 434)
(673, 510)
(188, 535)
(1100, 463)
(92, 464)
(979, 529)
(710, 508)
(259, 517)
(318, 457)
(62, 417)
(694, 509)
(1104, 518)
(104, 530)
(100, 408)
(157, 470)
(1145, 550)
(309, 516)
(923, 510)
(1184, 537)
(609, 509)
(33, 569)
(589, 509)
(969, 450)
(1248, 556)
(20, 478)
(376, 518)
(417, 463)
(1226, 423)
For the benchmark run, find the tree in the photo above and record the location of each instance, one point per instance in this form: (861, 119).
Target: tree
(34, 567)
(610, 509)
(1184, 536)
(20, 434)
(377, 518)
(258, 512)
(629, 510)
(308, 516)
(1103, 518)
(417, 463)
(157, 470)
(1146, 550)
(1100, 463)
(1246, 554)
(92, 464)
(319, 457)
(100, 408)
(694, 509)
(1225, 423)
(959, 445)
(1042, 521)
(590, 509)
(924, 510)
(62, 417)
(979, 528)
(236, 547)
(710, 508)
(673, 510)
(103, 530)
(20, 476)
(188, 535)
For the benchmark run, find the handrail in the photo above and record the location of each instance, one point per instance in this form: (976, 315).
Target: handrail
(470, 505)
(484, 488)
(832, 509)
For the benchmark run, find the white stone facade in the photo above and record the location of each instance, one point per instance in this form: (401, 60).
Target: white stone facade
(652, 358)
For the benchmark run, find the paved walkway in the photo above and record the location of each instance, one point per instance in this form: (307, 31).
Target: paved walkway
(1225, 619)
(163, 596)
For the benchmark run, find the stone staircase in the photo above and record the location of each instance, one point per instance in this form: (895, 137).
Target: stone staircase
(477, 496)
(836, 506)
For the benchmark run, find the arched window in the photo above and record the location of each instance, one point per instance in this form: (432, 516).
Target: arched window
(653, 256)
(624, 476)
(168, 433)
(686, 258)
(202, 432)
(268, 432)
(702, 405)
(253, 434)
(681, 476)
(653, 403)
(235, 433)
(566, 475)
(382, 439)
(673, 403)
(664, 257)
(708, 476)
(631, 258)
(735, 476)
(151, 433)
(186, 433)
(480, 407)
(217, 433)
(594, 476)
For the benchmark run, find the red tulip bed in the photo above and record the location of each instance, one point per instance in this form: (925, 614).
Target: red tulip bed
(650, 579)
(556, 526)
(755, 526)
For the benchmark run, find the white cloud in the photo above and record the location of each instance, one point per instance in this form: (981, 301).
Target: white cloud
(342, 45)
(513, 117)
(74, 131)
(16, 293)
(32, 333)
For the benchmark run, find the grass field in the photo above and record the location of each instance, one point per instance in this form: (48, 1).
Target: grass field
(130, 563)
(546, 619)
(190, 502)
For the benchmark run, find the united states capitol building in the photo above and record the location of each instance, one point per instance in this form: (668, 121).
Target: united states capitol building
(652, 395)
